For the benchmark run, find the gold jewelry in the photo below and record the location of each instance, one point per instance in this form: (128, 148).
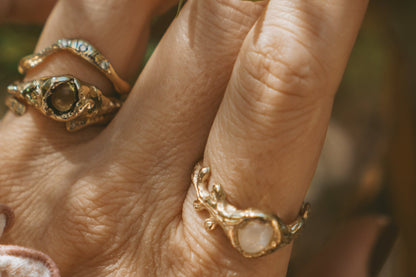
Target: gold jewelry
(65, 99)
(82, 49)
(252, 232)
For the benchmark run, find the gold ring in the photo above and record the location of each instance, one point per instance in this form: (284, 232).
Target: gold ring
(252, 232)
(82, 49)
(65, 99)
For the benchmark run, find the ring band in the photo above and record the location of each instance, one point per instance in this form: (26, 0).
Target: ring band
(65, 99)
(252, 232)
(82, 49)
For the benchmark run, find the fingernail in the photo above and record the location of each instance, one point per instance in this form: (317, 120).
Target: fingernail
(6, 218)
(382, 249)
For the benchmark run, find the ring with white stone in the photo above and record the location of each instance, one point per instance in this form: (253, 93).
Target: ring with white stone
(253, 233)
(82, 49)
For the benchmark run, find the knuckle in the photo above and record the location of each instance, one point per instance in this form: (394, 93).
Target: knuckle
(234, 11)
(285, 53)
(222, 22)
(290, 69)
(280, 82)
(267, 119)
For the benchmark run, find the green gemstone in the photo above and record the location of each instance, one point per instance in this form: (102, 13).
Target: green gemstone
(64, 97)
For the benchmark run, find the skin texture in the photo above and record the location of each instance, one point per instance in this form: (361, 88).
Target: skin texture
(248, 86)
(22, 10)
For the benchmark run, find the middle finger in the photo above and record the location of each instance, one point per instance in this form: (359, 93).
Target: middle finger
(169, 113)
(265, 142)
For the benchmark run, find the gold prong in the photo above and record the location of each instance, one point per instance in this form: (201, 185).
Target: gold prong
(198, 206)
(210, 224)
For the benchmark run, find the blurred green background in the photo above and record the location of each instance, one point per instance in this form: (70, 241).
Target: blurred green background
(368, 163)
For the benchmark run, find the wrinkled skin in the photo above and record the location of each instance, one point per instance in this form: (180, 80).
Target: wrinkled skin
(248, 86)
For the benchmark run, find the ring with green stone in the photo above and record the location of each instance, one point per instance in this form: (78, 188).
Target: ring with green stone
(65, 99)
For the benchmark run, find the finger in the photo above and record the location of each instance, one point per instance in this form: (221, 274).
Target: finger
(118, 30)
(25, 11)
(266, 139)
(351, 250)
(33, 147)
(169, 113)
(279, 100)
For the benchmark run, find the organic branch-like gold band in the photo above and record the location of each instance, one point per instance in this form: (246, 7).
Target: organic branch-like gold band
(82, 49)
(252, 232)
(63, 98)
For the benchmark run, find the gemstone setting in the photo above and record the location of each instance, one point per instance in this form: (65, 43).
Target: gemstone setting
(63, 97)
(255, 236)
(83, 48)
(104, 64)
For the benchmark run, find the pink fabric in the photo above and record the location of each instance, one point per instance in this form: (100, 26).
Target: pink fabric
(16, 261)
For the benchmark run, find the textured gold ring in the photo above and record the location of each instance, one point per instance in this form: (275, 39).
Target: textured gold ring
(82, 49)
(65, 99)
(252, 232)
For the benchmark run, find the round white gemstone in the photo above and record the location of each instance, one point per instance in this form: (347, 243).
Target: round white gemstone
(255, 236)
(83, 48)
(104, 64)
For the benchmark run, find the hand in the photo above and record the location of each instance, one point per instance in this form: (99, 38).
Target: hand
(248, 86)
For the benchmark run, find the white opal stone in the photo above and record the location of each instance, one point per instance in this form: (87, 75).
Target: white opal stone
(104, 64)
(2, 223)
(255, 236)
(83, 48)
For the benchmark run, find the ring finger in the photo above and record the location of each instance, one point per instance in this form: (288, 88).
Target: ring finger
(266, 139)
